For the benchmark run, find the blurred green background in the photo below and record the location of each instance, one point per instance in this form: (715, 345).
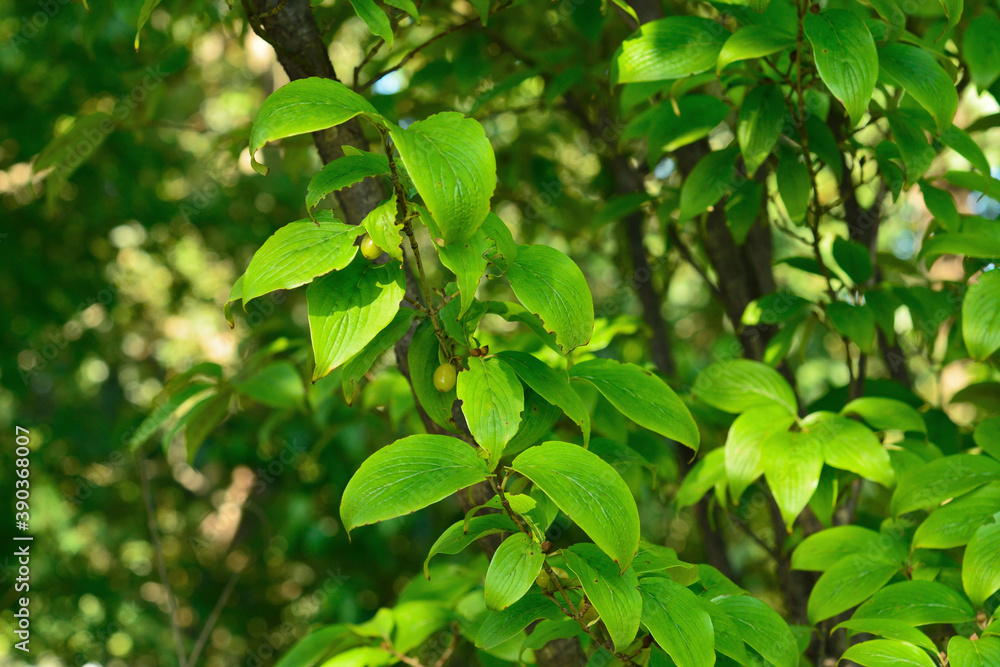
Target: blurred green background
(113, 278)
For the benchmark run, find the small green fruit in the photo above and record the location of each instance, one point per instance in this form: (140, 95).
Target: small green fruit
(561, 573)
(543, 580)
(590, 616)
(369, 249)
(444, 377)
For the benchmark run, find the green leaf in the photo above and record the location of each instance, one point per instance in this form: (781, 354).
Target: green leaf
(847, 583)
(467, 260)
(678, 622)
(552, 385)
(656, 559)
(360, 363)
(64, 152)
(792, 465)
(775, 308)
(987, 436)
(615, 595)
(845, 56)
(753, 41)
(513, 569)
(144, 13)
(642, 397)
(824, 499)
(886, 413)
(698, 481)
(408, 475)
(423, 358)
(853, 259)
(821, 551)
(538, 419)
(953, 11)
(167, 405)
(741, 384)
(912, 142)
(342, 173)
(941, 479)
(793, 185)
(890, 630)
(983, 652)
(453, 168)
(460, 535)
(762, 118)
(856, 323)
(918, 603)
(348, 308)
(960, 141)
(199, 422)
(887, 653)
(501, 249)
(492, 401)
(743, 207)
(551, 285)
(893, 15)
(917, 72)
(547, 631)
(669, 48)
(981, 49)
(361, 656)
(981, 564)
(299, 252)
(303, 106)
(981, 316)
(976, 182)
(502, 626)
(762, 629)
(308, 651)
(235, 294)
(711, 178)
(589, 491)
(744, 445)
(667, 127)
(278, 385)
(728, 641)
(416, 621)
(380, 223)
(374, 18)
(407, 6)
(849, 445)
(954, 524)
(972, 245)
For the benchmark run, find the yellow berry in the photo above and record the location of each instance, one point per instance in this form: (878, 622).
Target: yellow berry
(369, 249)
(444, 377)
(544, 580)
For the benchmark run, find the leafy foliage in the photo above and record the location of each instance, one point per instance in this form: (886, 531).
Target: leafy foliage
(824, 425)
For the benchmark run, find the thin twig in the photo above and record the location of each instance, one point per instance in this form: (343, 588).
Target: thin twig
(451, 647)
(161, 563)
(686, 253)
(213, 618)
(420, 47)
(402, 657)
(771, 551)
